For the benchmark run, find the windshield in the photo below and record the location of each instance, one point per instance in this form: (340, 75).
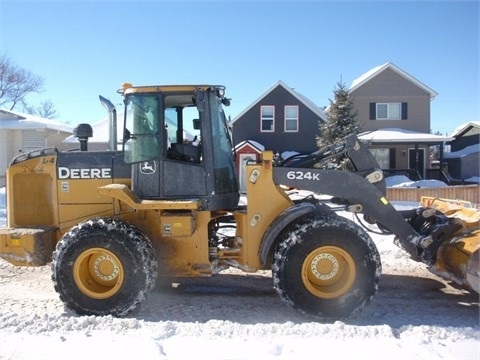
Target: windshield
(225, 177)
(141, 140)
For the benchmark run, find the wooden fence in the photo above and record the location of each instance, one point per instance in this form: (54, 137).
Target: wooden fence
(470, 193)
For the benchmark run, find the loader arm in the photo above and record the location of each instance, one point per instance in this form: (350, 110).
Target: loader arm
(352, 190)
(422, 232)
(361, 190)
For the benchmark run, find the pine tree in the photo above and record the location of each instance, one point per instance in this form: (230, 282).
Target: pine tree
(341, 120)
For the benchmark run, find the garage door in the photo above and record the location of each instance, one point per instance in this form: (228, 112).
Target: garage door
(32, 140)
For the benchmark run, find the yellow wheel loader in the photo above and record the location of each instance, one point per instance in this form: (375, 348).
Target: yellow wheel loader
(165, 204)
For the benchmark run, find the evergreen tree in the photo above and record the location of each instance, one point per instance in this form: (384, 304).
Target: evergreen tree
(341, 120)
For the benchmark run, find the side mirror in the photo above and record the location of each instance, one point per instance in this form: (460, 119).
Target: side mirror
(126, 135)
(196, 124)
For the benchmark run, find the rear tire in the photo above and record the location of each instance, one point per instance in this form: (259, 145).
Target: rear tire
(102, 267)
(328, 268)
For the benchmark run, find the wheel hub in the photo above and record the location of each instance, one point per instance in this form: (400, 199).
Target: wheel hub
(324, 266)
(105, 268)
(98, 273)
(328, 272)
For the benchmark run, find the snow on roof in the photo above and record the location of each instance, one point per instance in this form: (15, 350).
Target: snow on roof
(13, 120)
(397, 135)
(252, 143)
(370, 74)
(101, 132)
(472, 149)
(307, 102)
(459, 130)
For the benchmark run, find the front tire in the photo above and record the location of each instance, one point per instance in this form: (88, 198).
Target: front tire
(328, 268)
(102, 267)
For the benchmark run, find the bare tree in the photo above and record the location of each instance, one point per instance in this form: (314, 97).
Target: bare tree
(16, 83)
(46, 110)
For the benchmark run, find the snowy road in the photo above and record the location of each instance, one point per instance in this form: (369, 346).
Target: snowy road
(415, 315)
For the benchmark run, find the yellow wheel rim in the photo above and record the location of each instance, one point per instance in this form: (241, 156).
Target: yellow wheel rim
(98, 273)
(328, 272)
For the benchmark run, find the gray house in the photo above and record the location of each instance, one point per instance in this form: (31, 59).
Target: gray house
(23, 132)
(463, 160)
(281, 120)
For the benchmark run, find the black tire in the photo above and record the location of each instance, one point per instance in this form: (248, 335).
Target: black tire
(328, 268)
(103, 267)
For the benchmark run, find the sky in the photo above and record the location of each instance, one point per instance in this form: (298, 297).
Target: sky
(83, 49)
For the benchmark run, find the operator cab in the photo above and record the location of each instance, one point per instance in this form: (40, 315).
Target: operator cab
(177, 140)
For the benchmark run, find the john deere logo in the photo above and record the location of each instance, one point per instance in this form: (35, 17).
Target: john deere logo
(148, 167)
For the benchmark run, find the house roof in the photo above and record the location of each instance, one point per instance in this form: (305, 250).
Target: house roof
(464, 128)
(253, 144)
(401, 136)
(307, 102)
(12, 120)
(379, 69)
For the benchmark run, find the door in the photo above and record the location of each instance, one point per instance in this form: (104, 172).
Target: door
(416, 161)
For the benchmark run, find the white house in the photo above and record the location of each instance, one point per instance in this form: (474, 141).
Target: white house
(23, 132)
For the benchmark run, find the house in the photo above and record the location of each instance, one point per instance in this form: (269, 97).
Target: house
(389, 100)
(246, 151)
(23, 132)
(280, 120)
(463, 160)
(383, 144)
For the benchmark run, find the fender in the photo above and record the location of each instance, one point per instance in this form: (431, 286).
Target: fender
(279, 224)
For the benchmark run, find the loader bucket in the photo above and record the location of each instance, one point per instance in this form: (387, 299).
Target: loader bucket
(458, 259)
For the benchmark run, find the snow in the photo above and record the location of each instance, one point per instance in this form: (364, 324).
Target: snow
(403, 181)
(468, 150)
(398, 135)
(415, 315)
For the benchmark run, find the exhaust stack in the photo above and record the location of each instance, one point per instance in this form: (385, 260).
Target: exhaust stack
(112, 123)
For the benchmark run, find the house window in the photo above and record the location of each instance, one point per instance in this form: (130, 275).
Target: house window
(291, 118)
(388, 111)
(382, 155)
(267, 118)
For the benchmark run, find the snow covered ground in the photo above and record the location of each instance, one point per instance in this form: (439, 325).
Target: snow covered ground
(415, 315)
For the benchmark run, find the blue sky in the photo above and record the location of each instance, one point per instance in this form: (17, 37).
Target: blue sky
(83, 49)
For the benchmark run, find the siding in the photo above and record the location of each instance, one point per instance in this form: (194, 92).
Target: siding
(304, 141)
(389, 87)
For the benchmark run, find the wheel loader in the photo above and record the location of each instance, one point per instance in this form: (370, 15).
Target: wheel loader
(164, 204)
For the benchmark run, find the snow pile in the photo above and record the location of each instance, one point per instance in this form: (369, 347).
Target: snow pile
(403, 181)
(415, 315)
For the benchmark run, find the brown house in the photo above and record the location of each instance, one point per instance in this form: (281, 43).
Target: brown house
(393, 110)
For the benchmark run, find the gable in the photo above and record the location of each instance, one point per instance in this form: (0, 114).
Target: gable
(468, 129)
(280, 88)
(381, 78)
(391, 83)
